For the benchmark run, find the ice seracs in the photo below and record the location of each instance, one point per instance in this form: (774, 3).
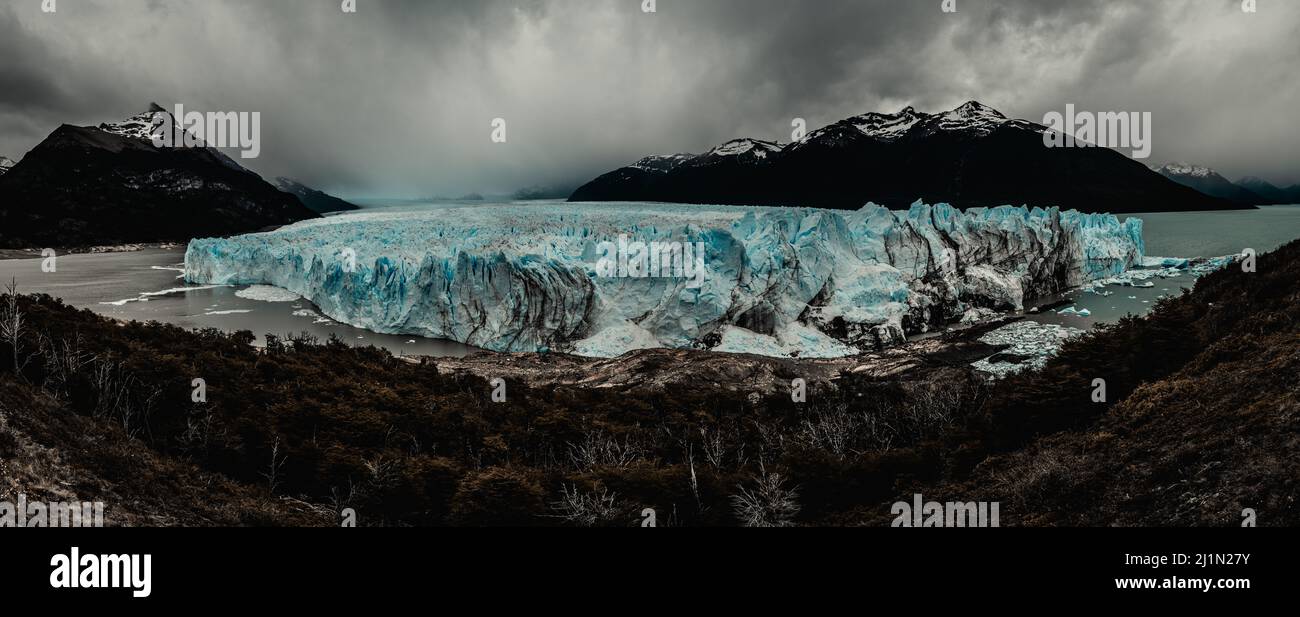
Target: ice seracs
(779, 281)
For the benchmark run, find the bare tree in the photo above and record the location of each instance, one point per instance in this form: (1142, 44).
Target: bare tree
(768, 504)
(63, 359)
(723, 443)
(272, 474)
(198, 427)
(599, 449)
(589, 509)
(11, 324)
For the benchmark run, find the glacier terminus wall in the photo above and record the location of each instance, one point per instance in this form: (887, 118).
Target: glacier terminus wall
(778, 281)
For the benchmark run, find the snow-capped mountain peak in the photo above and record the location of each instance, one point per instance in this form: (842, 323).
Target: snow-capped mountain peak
(887, 127)
(135, 127)
(972, 116)
(976, 109)
(139, 127)
(5, 164)
(871, 157)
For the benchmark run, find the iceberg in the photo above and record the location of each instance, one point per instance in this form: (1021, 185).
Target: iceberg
(778, 281)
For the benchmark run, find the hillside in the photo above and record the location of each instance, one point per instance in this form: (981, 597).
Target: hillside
(1202, 421)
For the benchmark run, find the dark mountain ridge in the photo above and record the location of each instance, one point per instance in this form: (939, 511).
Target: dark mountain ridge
(968, 157)
(106, 185)
(319, 202)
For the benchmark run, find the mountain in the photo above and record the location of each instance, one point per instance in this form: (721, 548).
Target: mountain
(109, 184)
(1270, 192)
(970, 156)
(1210, 182)
(318, 201)
(5, 164)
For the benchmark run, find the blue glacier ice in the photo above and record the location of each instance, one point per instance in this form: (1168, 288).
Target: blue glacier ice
(779, 281)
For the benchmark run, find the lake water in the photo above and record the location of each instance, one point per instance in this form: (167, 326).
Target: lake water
(1181, 234)
(146, 285)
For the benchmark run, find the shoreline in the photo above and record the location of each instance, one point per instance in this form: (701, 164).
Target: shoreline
(31, 253)
(663, 368)
(657, 370)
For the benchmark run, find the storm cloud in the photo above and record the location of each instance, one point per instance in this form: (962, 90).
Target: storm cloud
(398, 98)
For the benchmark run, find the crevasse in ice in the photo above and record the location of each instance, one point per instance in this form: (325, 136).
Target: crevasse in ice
(779, 281)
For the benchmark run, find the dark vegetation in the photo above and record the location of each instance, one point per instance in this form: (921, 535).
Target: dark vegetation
(1202, 423)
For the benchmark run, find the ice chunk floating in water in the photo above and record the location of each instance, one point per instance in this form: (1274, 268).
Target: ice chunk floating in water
(267, 293)
(778, 280)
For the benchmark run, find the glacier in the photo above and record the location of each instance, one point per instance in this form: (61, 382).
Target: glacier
(524, 277)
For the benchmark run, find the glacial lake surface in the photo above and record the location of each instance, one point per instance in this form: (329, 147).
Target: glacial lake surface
(1179, 234)
(146, 285)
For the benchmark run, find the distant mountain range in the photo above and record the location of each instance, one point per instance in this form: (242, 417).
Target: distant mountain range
(1249, 190)
(543, 192)
(318, 201)
(5, 164)
(1271, 193)
(970, 156)
(105, 185)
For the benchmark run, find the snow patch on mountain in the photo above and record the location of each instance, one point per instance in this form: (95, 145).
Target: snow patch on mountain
(780, 281)
(662, 163)
(972, 117)
(742, 150)
(139, 126)
(1185, 169)
(887, 127)
(5, 164)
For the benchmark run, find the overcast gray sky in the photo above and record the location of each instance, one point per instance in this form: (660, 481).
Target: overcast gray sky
(397, 99)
